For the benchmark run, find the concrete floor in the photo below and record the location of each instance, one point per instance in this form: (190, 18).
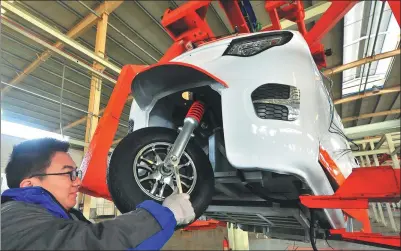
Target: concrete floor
(212, 240)
(197, 240)
(259, 242)
(274, 244)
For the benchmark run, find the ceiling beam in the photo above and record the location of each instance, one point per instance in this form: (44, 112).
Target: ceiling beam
(341, 68)
(14, 27)
(76, 31)
(371, 115)
(367, 94)
(358, 132)
(64, 38)
(83, 119)
(379, 139)
(371, 152)
(396, 150)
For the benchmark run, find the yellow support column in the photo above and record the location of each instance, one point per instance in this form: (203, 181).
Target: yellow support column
(94, 98)
(237, 238)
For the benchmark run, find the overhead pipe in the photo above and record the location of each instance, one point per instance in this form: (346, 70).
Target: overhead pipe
(65, 6)
(44, 97)
(52, 59)
(18, 71)
(358, 132)
(118, 31)
(151, 17)
(374, 45)
(55, 101)
(62, 37)
(367, 94)
(371, 115)
(74, 32)
(7, 23)
(341, 68)
(367, 46)
(83, 119)
(136, 33)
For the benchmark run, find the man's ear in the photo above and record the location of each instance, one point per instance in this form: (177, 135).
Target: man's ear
(26, 183)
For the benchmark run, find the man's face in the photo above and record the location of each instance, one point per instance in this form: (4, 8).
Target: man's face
(61, 186)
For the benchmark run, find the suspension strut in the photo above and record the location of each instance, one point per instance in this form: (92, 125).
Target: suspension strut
(191, 121)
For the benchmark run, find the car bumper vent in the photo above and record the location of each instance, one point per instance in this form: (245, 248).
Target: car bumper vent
(271, 111)
(271, 91)
(276, 101)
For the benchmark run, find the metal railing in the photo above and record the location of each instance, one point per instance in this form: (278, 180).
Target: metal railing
(386, 144)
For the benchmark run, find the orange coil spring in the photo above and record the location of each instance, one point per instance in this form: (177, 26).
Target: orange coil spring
(196, 111)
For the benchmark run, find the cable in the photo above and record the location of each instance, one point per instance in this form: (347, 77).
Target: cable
(374, 45)
(338, 130)
(328, 243)
(367, 47)
(61, 102)
(312, 234)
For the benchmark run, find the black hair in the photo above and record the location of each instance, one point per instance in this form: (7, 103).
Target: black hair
(32, 157)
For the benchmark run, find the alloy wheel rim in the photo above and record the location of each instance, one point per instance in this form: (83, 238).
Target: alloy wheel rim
(157, 181)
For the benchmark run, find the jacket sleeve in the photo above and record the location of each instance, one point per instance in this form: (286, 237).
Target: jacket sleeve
(150, 226)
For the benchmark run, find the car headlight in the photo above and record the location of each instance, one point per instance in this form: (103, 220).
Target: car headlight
(252, 45)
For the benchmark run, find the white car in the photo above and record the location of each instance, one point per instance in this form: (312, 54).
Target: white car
(269, 132)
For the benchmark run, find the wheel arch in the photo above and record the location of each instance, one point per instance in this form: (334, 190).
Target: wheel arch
(156, 89)
(159, 80)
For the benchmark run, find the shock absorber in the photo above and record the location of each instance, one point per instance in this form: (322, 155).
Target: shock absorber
(191, 121)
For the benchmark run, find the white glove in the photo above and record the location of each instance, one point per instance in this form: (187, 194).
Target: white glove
(181, 207)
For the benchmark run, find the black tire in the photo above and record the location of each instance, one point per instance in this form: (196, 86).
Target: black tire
(121, 182)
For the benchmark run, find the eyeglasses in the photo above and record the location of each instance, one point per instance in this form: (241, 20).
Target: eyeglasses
(73, 174)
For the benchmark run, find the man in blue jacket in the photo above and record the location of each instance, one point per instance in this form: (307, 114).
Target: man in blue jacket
(37, 211)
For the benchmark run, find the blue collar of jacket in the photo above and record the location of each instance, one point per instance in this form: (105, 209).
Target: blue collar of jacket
(37, 196)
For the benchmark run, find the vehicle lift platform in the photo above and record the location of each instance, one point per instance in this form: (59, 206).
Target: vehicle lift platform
(364, 185)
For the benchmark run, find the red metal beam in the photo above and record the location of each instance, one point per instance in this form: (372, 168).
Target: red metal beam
(293, 11)
(205, 225)
(271, 8)
(188, 22)
(94, 163)
(328, 20)
(368, 184)
(395, 6)
(368, 238)
(364, 185)
(234, 15)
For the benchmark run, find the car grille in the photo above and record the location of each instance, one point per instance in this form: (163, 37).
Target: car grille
(271, 111)
(271, 91)
(276, 101)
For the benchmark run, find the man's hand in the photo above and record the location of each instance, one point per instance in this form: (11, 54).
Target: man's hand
(181, 207)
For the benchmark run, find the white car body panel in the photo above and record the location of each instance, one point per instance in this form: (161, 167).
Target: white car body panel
(287, 147)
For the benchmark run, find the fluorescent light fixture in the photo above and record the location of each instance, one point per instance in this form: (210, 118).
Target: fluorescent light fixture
(27, 132)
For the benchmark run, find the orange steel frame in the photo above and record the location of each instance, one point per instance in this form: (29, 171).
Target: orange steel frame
(364, 185)
(187, 26)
